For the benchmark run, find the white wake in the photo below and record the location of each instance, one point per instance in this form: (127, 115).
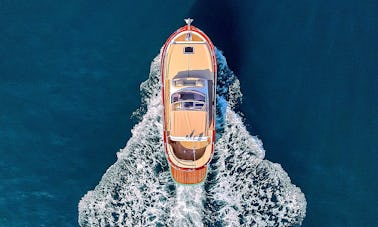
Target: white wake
(242, 188)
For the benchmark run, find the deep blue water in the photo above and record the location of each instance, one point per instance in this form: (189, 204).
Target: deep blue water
(70, 75)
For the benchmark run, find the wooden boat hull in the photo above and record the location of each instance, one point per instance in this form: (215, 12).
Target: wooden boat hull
(188, 76)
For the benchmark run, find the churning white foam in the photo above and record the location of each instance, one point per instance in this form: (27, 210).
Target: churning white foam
(188, 209)
(242, 188)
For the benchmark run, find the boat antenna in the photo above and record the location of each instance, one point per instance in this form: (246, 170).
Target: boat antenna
(188, 37)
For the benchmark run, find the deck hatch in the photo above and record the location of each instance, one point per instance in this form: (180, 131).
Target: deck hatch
(188, 50)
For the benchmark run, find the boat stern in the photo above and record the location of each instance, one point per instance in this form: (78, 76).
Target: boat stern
(193, 176)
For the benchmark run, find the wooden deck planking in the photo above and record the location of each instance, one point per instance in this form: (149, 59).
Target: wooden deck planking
(191, 177)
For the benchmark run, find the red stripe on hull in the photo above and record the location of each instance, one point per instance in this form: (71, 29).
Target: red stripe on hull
(166, 44)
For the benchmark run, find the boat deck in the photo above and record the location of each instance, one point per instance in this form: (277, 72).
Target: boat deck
(189, 177)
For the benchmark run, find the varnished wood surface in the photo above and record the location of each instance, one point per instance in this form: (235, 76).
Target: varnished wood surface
(191, 177)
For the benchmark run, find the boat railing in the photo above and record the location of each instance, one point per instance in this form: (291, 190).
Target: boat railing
(189, 138)
(189, 42)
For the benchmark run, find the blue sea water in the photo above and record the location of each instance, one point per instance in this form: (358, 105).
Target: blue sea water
(69, 82)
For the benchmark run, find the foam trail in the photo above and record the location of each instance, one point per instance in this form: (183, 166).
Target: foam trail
(188, 210)
(245, 189)
(249, 190)
(137, 189)
(242, 188)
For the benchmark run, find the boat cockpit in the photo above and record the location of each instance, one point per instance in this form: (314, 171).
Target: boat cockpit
(188, 100)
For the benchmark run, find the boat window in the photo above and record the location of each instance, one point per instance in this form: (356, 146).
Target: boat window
(188, 100)
(188, 83)
(188, 50)
(188, 95)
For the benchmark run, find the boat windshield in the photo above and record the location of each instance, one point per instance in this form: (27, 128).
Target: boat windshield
(188, 100)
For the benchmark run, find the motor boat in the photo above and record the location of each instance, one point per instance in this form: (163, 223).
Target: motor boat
(188, 77)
